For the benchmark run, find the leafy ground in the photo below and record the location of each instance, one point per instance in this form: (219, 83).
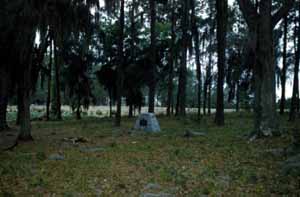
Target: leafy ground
(120, 162)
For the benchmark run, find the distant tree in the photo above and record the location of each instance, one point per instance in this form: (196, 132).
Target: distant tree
(76, 74)
(107, 77)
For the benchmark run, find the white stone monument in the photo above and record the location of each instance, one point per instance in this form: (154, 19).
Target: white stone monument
(147, 122)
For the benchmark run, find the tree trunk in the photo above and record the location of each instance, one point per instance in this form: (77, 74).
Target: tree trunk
(19, 103)
(221, 7)
(237, 105)
(152, 72)
(209, 96)
(49, 83)
(197, 53)
(78, 113)
(261, 25)
(57, 61)
(295, 96)
(24, 104)
(205, 89)
(267, 122)
(284, 67)
(4, 80)
(110, 104)
(120, 66)
(130, 111)
(208, 80)
(183, 64)
(171, 63)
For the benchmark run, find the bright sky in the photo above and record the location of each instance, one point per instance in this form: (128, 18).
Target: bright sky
(230, 2)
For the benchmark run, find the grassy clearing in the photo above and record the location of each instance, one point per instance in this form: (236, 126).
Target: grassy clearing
(221, 163)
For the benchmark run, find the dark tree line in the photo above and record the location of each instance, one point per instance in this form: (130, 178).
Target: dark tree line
(169, 51)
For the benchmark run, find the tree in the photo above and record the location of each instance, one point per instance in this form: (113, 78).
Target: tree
(181, 95)
(170, 100)
(29, 17)
(261, 23)
(49, 81)
(108, 78)
(120, 70)
(295, 96)
(221, 7)
(284, 66)
(4, 80)
(197, 55)
(152, 55)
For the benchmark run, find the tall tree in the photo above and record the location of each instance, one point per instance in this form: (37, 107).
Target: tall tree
(57, 66)
(295, 96)
(132, 43)
(284, 66)
(197, 54)
(152, 71)
(171, 60)
(221, 7)
(261, 23)
(181, 96)
(49, 81)
(120, 77)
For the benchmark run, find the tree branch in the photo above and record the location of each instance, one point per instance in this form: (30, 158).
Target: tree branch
(282, 12)
(248, 10)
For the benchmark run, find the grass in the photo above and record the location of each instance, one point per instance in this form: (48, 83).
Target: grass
(222, 163)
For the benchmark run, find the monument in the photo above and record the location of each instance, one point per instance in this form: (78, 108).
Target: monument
(147, 122)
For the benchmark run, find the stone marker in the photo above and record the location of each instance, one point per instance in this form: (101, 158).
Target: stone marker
(8, 140)
(147, 122)
(56, 157)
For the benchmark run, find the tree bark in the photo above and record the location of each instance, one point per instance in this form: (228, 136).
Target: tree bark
(221, 7)
(152, 72)
(265, 74)
(284, 67)
(120, 66)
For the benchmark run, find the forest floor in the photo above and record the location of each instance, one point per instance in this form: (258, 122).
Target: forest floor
(92, 158)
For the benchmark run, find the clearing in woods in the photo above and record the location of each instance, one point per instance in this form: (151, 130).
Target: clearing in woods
(92, 158)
